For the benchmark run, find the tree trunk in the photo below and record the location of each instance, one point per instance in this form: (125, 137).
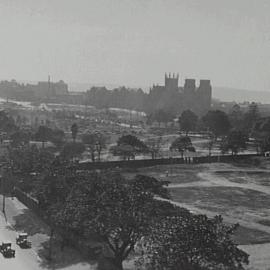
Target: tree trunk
(118, 263)
(93, 157)
(50, 244)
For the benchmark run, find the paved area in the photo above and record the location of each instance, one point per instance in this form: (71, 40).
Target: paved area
(31, 259)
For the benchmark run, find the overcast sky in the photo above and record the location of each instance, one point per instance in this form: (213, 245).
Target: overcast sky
(134, 42)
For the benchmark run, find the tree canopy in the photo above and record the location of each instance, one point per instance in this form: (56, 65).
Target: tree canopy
(128, 146)
(74, 131)
(188, 121)
(192, 242)
(217, 122)
(235, 141)
(72, 150)
(182, 144)
(95, 142)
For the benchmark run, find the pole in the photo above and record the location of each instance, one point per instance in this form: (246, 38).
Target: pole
(4, 196)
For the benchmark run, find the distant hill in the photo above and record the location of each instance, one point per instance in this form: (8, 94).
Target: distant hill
(240, 95)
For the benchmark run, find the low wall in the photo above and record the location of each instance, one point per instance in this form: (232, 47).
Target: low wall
(161, 161)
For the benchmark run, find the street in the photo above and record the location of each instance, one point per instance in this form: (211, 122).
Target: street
(27, 259)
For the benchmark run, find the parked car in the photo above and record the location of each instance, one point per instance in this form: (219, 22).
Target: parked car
(22, 240)
(6, 249)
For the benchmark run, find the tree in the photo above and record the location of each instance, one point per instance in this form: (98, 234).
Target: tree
(28, 160)
(57, 137)
(210, 143)
(119, 212)
(128, 146)
(161, 116)
(152, 185)
(234, 141)
(74, 131)
(7, 123)
(20, 138)
(72, 150)
(217, 122)
(52, 193)
(236, 117)
(182, 144)
(251, 116)
(188, 121)
(192, 242)
(124, 150)
(154, 146)
(96, 142)
(43, 134)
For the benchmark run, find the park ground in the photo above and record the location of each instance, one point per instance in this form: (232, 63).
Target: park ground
(240, 192)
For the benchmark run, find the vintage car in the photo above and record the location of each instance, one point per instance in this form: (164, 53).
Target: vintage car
(22, 240)
(6, 249)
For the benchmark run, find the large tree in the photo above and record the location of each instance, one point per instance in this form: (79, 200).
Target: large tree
(95, 142)
(192, 242)
(43, 134)
(236, 117)
(74, 131)
(120, 212)
(154, 146)
(128, 146)
(20, 138)
(7, 123)
(251, 116)
(188, 121)
(161, 116)
(72, 150)
(234, 142)
(217, 122)
(182, 144)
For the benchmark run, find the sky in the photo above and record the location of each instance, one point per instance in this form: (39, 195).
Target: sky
(134, 42)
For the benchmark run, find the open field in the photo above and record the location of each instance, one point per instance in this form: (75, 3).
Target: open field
(239, 192)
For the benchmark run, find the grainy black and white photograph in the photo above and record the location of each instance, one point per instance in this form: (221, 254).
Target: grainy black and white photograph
(135, 135)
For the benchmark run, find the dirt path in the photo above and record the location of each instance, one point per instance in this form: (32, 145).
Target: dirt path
(214, 180)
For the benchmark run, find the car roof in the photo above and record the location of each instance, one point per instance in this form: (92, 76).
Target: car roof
(23, 234)
(6, 242)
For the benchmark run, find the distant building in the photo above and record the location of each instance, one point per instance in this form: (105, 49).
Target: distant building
(177, 98)
(33, 92)
(51, 89)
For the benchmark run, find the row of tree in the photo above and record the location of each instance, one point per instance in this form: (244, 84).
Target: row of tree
(126, 217)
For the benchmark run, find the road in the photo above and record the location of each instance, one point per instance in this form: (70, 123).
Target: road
(30, 259)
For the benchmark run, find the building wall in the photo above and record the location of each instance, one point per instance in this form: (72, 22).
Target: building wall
(177, 99)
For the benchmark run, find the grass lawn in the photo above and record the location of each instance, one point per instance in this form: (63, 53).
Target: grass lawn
(176, 174)
(222, 198)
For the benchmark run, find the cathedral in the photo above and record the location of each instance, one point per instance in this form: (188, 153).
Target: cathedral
(176, 99)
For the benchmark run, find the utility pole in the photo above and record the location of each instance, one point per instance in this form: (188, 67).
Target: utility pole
(3, 192)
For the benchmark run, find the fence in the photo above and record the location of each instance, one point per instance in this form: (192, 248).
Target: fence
(161, 161)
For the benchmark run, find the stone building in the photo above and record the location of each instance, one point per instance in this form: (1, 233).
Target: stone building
(175, 98)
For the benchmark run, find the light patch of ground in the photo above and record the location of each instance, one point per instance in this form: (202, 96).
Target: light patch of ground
(240, 192)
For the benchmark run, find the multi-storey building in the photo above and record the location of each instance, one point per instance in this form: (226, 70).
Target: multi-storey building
(177, 98)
